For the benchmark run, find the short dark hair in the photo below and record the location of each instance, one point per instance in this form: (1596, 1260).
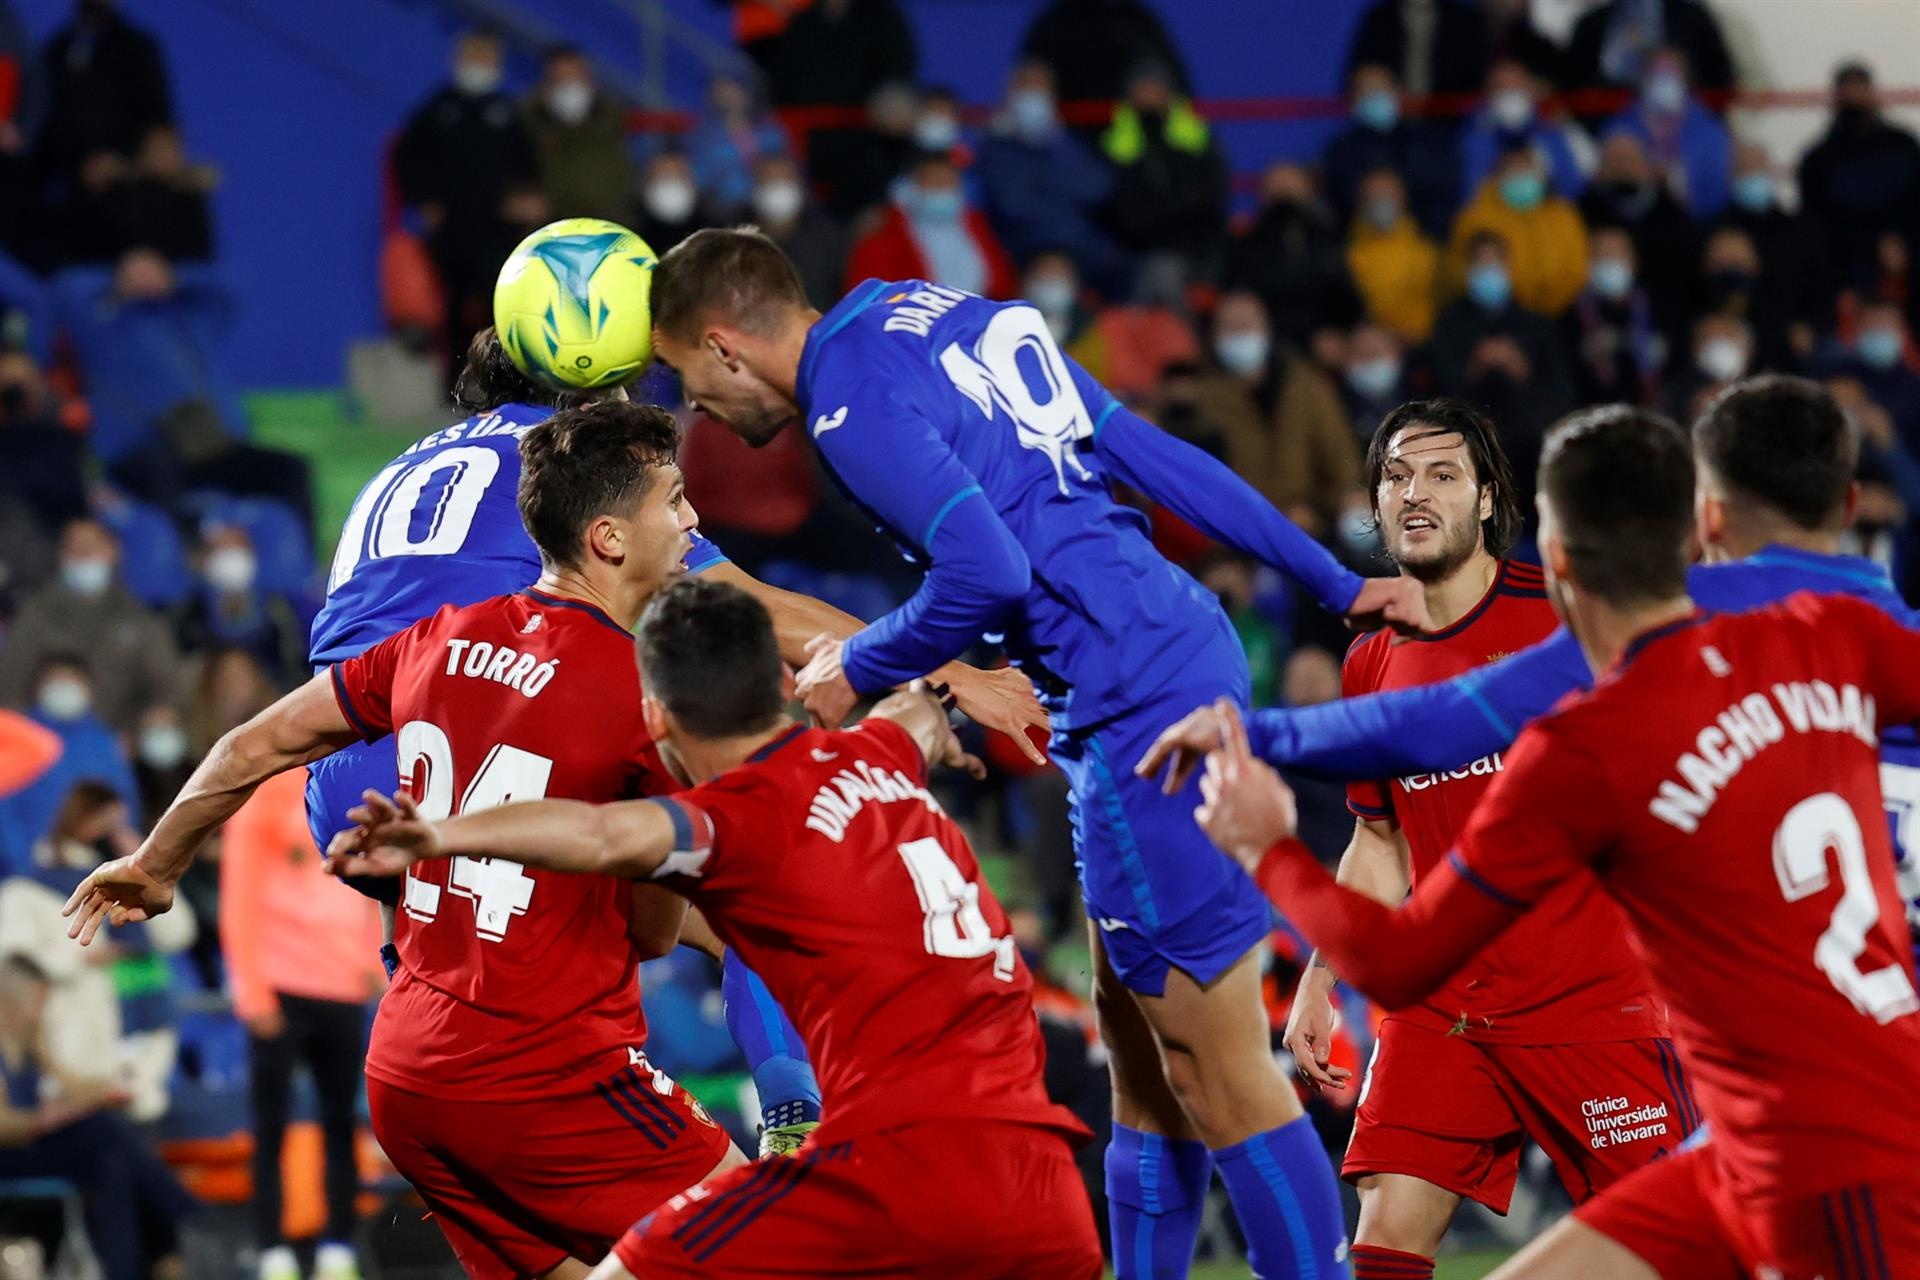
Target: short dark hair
(1621, 483)
(489, 379)
(586, 462)
(707, 651)
(1782, 443)
(736, 273)
(62, 658)
(1441, 416)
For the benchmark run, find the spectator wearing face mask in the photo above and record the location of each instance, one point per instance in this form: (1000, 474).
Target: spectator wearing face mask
(1861, 180)
(855, 169)
(1722, 353)
(1612, 46)
(162, 759)
(579, 141)
(1426, 157)
(1688, 146)
(130, 650)
(1052, 285)
(1293, 255)
(63, 702)
(670, 208)
(1666, 242)
(1545, 237)
(1490, 350)
(230, 610)
(1395, 265)
(459, 155)
(1287, 434)
(1171, 182)
(1796, 278)
(1513, 117)
(1730, 283)
(1042, 189)
(931, 233)
(1374, 379)
(729, 141)
(937, 126)
(1617, 348)
(812, 238)
(1879, 358)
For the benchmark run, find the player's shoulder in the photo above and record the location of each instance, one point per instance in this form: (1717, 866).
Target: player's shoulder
(1521, 580)
(899, 323)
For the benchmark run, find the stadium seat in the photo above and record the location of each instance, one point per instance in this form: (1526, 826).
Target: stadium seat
(153, 560)
(73, 1250)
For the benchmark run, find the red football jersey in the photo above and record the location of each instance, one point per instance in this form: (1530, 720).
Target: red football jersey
(1566, 973)
(829, 867)
(513, 983)
(1723, 781)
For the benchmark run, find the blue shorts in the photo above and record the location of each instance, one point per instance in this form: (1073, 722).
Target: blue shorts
(1162, 896)
(335, 784)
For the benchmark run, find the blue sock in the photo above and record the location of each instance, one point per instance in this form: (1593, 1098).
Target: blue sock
(1156, 1188)
(1288, 1204)
(782, 1075)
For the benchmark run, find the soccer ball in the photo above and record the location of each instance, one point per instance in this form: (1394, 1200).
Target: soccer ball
(572, 304)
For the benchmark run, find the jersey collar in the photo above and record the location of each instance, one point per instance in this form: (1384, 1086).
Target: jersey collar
(842, 315)
(1660, 632)
(1472, 615)
(591, 610)
(1855, 569)
(776, 744)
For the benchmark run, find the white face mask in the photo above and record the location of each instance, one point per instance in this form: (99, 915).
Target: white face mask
(570, 101)
(1052, 294)
(936, 132)
(64, 698)
(671, 199)
(476, 78)
(1721, 359)
(231, 569)
(163, 746)
(88, 577)
(1511, 108)
(1244, 352)
(778, 202)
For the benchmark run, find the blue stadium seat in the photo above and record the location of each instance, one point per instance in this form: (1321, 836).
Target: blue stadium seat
(282, 545)
(153, 560)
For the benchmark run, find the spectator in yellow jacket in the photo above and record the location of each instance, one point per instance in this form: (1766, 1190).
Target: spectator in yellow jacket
(1395, 265)
(1545, 237)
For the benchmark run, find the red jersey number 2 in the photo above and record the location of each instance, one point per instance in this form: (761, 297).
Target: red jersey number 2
(954, 926)
(499, 889)
(1800, 846)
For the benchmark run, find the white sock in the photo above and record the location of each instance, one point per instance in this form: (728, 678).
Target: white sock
(332, 1253)
(278, 1261)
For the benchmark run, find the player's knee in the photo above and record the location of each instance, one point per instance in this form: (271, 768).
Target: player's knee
(1228, 1099)
(1404, 1214)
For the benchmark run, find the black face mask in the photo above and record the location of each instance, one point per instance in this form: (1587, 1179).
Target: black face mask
(1181, 419)
(1854, 119)
(1731, 283)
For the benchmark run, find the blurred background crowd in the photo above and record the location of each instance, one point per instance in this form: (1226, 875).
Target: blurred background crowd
(1530, 205)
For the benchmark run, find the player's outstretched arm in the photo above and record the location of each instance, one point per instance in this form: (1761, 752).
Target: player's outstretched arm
(1002, 700)
(301, 727)
(631, 838)
(1207, 494)
(1403, 731)
(1397, 956)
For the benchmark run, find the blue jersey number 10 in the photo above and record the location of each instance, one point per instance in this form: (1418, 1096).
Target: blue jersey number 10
(418, 508)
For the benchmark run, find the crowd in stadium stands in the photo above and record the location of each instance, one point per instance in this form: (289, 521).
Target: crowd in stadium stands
(1528, 219)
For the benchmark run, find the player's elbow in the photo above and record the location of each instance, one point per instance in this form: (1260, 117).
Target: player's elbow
(1005, 579)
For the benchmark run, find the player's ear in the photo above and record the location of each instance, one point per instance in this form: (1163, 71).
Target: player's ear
(787, 685)
(1852, 504)
(653, 714)
(607, 539)
(723, 350)
(1486, 501)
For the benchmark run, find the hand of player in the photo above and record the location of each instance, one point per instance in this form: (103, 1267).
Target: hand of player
(1310, 1028)
(389, 836)
(822, 684)
(1181, 747)
(1002, 700)
(270, 1025)
(1246, 809)
(116, 892)
(951, 755)
(1399, 603)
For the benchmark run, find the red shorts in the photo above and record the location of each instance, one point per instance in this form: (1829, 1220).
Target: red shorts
(1455, 1112)
(1682, 1221)
(518, 1186)
(964, 1200)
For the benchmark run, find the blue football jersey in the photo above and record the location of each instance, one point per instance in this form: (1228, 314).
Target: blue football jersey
(438, 525)
(991, 459)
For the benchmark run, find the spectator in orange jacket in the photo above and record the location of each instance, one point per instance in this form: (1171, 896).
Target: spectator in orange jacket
(930, 232)
(303, 960)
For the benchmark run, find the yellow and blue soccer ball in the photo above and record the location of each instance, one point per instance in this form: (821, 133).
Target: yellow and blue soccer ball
(573, 304)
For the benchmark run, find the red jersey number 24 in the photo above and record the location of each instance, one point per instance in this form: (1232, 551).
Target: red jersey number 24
(499, 889)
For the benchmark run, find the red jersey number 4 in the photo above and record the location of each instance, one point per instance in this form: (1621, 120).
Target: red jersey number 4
(954, 927)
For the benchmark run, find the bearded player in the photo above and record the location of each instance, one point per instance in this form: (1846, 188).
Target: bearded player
(991, 458)
(507, 1074)
(1722, 781)
(1542, 1026)
(822, 857)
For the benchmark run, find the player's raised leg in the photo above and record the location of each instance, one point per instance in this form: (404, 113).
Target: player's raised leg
(1402, 1221)
(782, 1074)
